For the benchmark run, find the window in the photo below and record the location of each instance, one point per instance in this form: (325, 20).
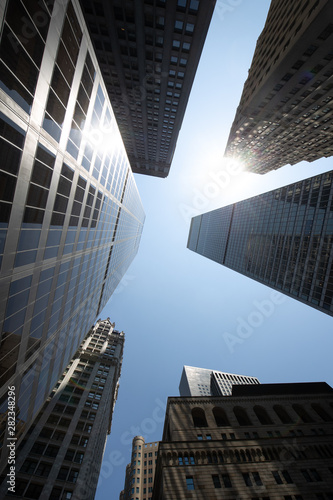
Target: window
(257, 478)
(287, 477)
(216, 481)
(189, 482)
(226, 480)
(321, 412)
(72, 477)
(262, 415)
(28, 467)
(242, 416)
(43, 469)
(247, 479)
(33, 491)
(277, 477)
(199, 418)
(302, 413)
(220, 417)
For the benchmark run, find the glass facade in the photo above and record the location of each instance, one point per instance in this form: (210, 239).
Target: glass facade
(71, 216)
(282, 238)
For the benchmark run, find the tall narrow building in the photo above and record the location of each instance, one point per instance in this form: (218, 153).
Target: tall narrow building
(282, 238)
(140, 472)
(265, 441)
(70, 213)
(148, 54)
(204, 382)
(285, 111)
(62, 455)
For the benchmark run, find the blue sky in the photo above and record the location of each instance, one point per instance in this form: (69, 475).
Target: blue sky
(178, 308)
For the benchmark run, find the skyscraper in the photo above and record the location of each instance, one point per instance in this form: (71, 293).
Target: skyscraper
(282, 238)
(71, 216)
(148, 54)
(140, 472)
(203, 382)
(62, 455)
(263, 441)
(285, 110)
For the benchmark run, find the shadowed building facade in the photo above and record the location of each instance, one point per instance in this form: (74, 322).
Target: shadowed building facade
(285, 112)
(148, 52)
(70, 216)
(204, 382)
(282, 238)
(61, 457)
(264, 441)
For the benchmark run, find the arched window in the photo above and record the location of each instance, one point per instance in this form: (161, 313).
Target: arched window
(242, 416)
(302, 413)
(262, 415)
(321, 412)
(199, 417)
(282, 414)
(220, 417)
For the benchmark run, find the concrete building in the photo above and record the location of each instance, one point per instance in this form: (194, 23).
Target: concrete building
(62, 454)
(285, 111)
(140, 472)
(148, 53)
(282, 238)
(71, 216)
(265, 441)
(204, 382)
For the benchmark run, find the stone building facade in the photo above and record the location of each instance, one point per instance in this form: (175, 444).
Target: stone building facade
(285, 111)
(148, 53)
(266, 441)
(61, 456)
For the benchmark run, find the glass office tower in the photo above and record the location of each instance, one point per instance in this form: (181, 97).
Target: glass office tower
(282, 238)
(71, 215)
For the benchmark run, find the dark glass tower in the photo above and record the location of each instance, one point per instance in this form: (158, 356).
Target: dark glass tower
(148, 52)
(285, 111)
(282, 238)
(70, 213)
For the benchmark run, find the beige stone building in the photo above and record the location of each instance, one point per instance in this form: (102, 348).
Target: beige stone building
(61, 456)
(141, 471)
(266, 441)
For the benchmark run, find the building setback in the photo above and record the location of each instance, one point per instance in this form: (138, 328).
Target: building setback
(71, 216)
(285, 112)
(148, 53)
(140, 472)
(282, 238)
(265, 441)
(62, 455)
(204, 382)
